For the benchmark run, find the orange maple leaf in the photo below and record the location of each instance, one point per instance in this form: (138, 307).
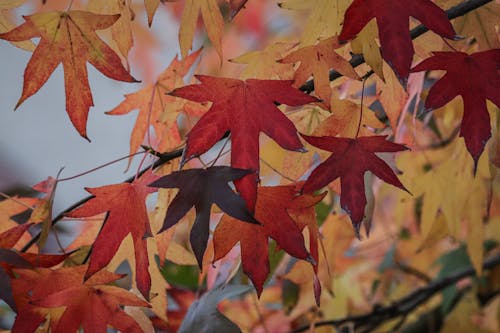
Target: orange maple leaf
(317, 60)
(272, 210)
(68, 38)
(90, 304)
(158, 109)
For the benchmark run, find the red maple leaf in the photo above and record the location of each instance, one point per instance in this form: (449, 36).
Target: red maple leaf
(127, 213)
(201, 188)
(393, 26)
(245, 108)
(90, 304)
(475, 77)
(350, 159)
(271, 210)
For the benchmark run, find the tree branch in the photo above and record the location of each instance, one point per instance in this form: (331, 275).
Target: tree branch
(163, 158)
(406, 304)
(358, 59)
(308, 87)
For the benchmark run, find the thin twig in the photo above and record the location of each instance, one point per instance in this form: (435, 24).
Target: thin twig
(19, 202)
(100, 167)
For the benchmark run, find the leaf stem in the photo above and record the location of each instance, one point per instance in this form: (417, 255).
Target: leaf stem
(277, 171)
(361, 106)
(69, 6)
(220, 151)
(150, 110)
(8, 197)
(100, 167)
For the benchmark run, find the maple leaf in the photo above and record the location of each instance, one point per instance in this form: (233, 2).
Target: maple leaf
(6, 23)
(365, 44)
(273, 203)
(42, 213)
(127, 213)
(10, 258)
(201, 188)
(263, 64)
(324, 20)
(483, 80)
(153, 103)
(68, 38)
(393, 26)
(478, 24)
(212, 18)
(317, 61)
(89, 304)
(344, 120)
(350, 160)
(245, 108)
(121, 30)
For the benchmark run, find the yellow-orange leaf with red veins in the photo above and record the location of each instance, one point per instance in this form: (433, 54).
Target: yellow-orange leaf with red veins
(121, 31)
(154, 105)
(69, 38)
(317, 60)
(89, 304)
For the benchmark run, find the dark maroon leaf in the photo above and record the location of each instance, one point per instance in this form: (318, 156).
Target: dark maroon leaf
(475, 77)
(350, 159)
(201, 188)
(393, 25)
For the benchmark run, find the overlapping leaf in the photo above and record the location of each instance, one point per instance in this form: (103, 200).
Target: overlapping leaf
(69, 38)
(324, 20)
(121, 30)
(482, 81)
(42, 213)
(245, 108)
(263, 64)
(89, 304)
(127, 213)
(157, 109)
(6, 22)
(273, 204)
(212, 18)
(201, 188)
(393, 26)
(10, 259)
(350, 159)
(317, 61)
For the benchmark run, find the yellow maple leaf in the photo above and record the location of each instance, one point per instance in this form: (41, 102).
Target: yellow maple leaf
(366, 44)
(121, 30)
(212, 18)
(325, 18)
